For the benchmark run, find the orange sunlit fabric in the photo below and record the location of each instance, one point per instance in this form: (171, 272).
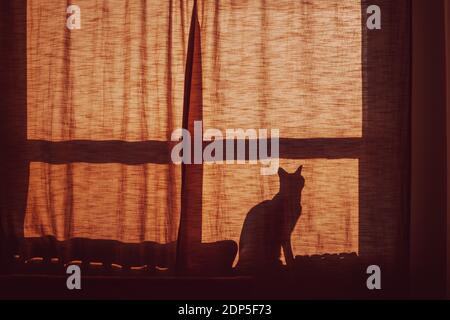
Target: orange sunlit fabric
(119, 78)
(298, 66)
(284, 65)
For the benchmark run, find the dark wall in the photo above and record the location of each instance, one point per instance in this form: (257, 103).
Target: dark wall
(13, 161)
(429, 173)
(447, 29)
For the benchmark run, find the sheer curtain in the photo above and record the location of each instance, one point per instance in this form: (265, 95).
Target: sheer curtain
(294, 66)
(103, 101)
(113, 89)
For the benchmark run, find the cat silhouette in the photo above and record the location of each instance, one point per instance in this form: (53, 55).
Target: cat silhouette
(268, 226)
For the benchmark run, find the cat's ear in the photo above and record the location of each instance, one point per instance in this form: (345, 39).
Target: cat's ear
(299, 170)
(282, 172)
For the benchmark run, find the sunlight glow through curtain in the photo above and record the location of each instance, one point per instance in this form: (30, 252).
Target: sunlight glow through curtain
(119, 81)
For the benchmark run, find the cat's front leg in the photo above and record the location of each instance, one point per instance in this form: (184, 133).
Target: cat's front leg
(288, 254)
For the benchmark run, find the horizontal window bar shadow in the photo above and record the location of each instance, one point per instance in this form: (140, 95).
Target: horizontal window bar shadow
(159, 152)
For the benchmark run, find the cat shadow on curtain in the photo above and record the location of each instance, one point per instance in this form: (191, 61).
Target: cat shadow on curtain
(268, 226)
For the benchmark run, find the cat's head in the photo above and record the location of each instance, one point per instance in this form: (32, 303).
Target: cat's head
(291, 183)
